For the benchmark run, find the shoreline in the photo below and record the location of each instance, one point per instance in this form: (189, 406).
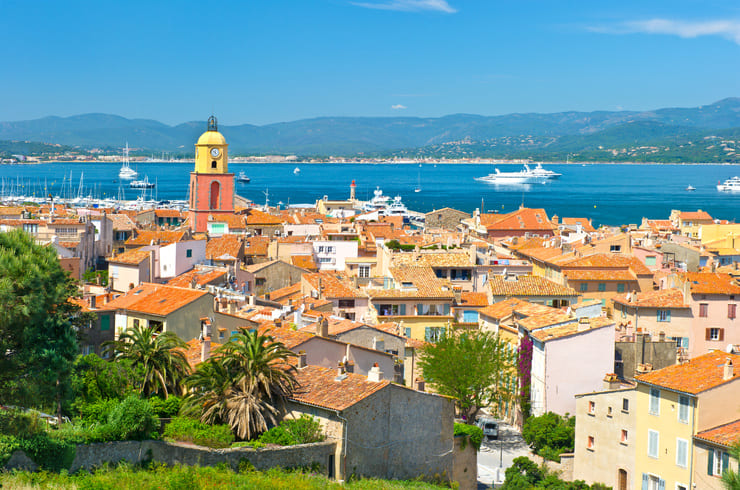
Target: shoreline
(182, 162)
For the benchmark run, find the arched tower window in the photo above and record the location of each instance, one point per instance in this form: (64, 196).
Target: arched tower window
(215, 189)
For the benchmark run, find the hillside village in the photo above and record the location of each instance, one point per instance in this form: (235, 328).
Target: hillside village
(633, 329)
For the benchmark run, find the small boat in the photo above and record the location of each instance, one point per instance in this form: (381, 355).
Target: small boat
(242, 178)
(296, 171)
(126, 171)
(142, 184)
(690, 188)
(730, 185)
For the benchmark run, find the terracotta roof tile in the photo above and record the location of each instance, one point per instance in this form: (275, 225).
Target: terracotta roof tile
(698, 374)
(155, 299)
(433, 259)
(225, 245)
(145, 237)
(194, 351)
(318, 386)
(694, 215)
(662, 298)
(256, 246)
(283, 294)
(599, 275)
(122, 222)
(257, 217)
(233, 221)
(202, 277)
(546, 333)
(415, 282)
(133, 257)
(168, 213)
(584, 222)
(289, 337)
(527, 285)
(727, 435)
(503, 309)
(473, 299)
(710, 283)
(333, 285)
(521, 219)
(304, 262)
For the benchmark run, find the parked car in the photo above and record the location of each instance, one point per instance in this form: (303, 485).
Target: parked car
(489, 427)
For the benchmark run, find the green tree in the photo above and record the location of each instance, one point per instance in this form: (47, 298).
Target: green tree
(244, 384)
(730, 477)
(160, 356)
(550, 434)
(37, 340)
(472, 366)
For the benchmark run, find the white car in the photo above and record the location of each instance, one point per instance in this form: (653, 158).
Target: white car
(489, 427)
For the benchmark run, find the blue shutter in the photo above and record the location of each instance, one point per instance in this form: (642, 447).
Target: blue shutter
(402, 309)
(408, 332)
(427, 333)
(644, 481)
(419, 308)
(685, 342)
(446, 310)
(710, 462)
(441, 333)
(668, 316)
(657, 315)
(725, 462)
(661, 484)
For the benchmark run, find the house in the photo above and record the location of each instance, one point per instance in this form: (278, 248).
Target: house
(347, 300)
(330, 255)
(712, 455)
(467, 310)
(225, 250)
(256, 249)
(713, 299)
(534, 289)
(129, 269)
(261, 223)
(445, 218)
(383, 430)
(604, 448)
(225, 223)
(524, 222)
(690, 222)
(123, 229)
(264, 277)
(673, 405)
(655, 312)
(457, 265)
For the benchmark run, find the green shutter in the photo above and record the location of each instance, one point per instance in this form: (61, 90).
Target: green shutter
(408, 332)
(105, 322)
(402, 309)
(427, 333)
(446, 310)
(419, 308)
(657, 316)
(668, 316)
(710, 462)
(725, 462)
(441, 333)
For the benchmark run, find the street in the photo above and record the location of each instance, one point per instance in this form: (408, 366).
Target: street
(497, 455)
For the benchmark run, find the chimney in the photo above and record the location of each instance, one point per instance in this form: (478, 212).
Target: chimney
(555, 219)
(349, 367)
(379, 344)
(661, 336)
(375, 374)
(340, 368)
(92, 302)
(611, 382)
(301, 359)
(583, 324)
(420, 384)
(278, 323)
(728, 370)
(232, 306)
(322, 327)
(105, 299)
(205, 349)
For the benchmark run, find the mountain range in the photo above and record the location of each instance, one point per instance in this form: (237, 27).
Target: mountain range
(512, 135)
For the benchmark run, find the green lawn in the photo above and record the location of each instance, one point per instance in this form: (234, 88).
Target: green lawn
(190, 477)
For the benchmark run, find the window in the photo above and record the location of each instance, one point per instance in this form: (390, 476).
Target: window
(470, 316)
(363, 271)
(625, 405)
(260, 281)
(620, 287)
(214, 164)
(389, 310)
(664, 315)
(653, 440)
(650, 260)
(682, 453)
(408, 332)
(602, 287)
(321, 249)
(136, 323)
(590, 443)
(433, 334)
(681, 486)
(591, 407)
(615, 248)
(189, 253)
(324, 260)
(346, 303)
(717, 462)
(731, 311)
(703, 310)
(654, 408)
(715, 334)
(584, 287)
(623, 438)
(31, 228)
(683, 409)
(608, 411)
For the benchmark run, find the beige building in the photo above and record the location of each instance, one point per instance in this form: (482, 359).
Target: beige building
(605, 431)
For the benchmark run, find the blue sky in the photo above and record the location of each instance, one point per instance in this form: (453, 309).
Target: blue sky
(266, 61)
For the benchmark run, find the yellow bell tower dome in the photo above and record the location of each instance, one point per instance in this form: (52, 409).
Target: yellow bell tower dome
(211, 184)
(211, 151)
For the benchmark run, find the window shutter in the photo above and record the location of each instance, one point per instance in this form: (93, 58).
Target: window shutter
(710, 462)
(427, 333)
(725, 462)
(419, 309)
(644, 481)
(668, 316)
(441, 333)
(657, 319)
(661, 484)
(707, 334)
(408, 332)
(721, 334)
(685, 342)
(446, 310)
(402, 309)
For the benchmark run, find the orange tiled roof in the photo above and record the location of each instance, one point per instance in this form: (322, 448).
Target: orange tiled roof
(133, 257)
(11, 211)
(424, 284)
(333, 285)
(698, 374)
(527, 286)
(504, 308)
(122, 222)
(521, 219)
(233, 221)
(603, 261)
(599, 275)
(145, 237)
(218, 247)
(317, 386)
(155, 299)
(584, 222)
(283, 294)
(69, 245)
(473, 299)
(694, 215)
(455, 258)
(710, 283)
(256, 246)
(194, 351)
(304, 262)
(167, 213)
(257, 217)
(662, 298)
(561, 331)
(289, 337)
(727, 435)
(202, 277)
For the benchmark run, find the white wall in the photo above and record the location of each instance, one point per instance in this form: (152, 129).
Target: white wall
(340, 250)
(173, 259)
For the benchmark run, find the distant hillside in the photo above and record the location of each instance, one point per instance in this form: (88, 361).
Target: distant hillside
(538, 134)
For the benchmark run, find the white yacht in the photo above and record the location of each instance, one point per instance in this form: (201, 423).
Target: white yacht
(541, 172)
(378, 202)
(142, 184)
(730, 185)
(296, 170)
(126, 171)
(525, 176)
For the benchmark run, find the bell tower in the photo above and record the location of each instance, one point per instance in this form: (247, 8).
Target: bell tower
(211, 184)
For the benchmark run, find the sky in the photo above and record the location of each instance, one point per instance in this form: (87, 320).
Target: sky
(268, 61)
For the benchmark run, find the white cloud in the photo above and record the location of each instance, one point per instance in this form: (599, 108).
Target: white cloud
(409, 5)
(728, 29)
(398, 107)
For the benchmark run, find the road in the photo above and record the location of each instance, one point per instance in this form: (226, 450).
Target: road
(497, 455)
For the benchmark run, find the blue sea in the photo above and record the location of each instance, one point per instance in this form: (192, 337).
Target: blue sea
(610, 194)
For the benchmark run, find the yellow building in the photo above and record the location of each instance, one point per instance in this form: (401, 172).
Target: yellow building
(673, 404)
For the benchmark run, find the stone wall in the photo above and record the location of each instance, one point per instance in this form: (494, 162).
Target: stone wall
(89, 456)
(465, 463)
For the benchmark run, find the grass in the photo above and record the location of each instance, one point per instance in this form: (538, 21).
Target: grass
(191, 477)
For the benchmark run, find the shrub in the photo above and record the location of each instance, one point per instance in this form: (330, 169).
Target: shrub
(8, 444)
(96, 412)
(550, 435)
(305, 429)
(166, 408)
(133, 419)
(473, 432)
(191, 430)
(278, 435)
(49, 454)
(19, 423)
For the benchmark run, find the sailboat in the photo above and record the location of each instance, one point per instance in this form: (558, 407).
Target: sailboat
(418, 185)
(126, 171)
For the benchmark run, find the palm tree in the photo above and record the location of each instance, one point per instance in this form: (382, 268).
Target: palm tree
(161, 356)
(244, 384)
(731, 478)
